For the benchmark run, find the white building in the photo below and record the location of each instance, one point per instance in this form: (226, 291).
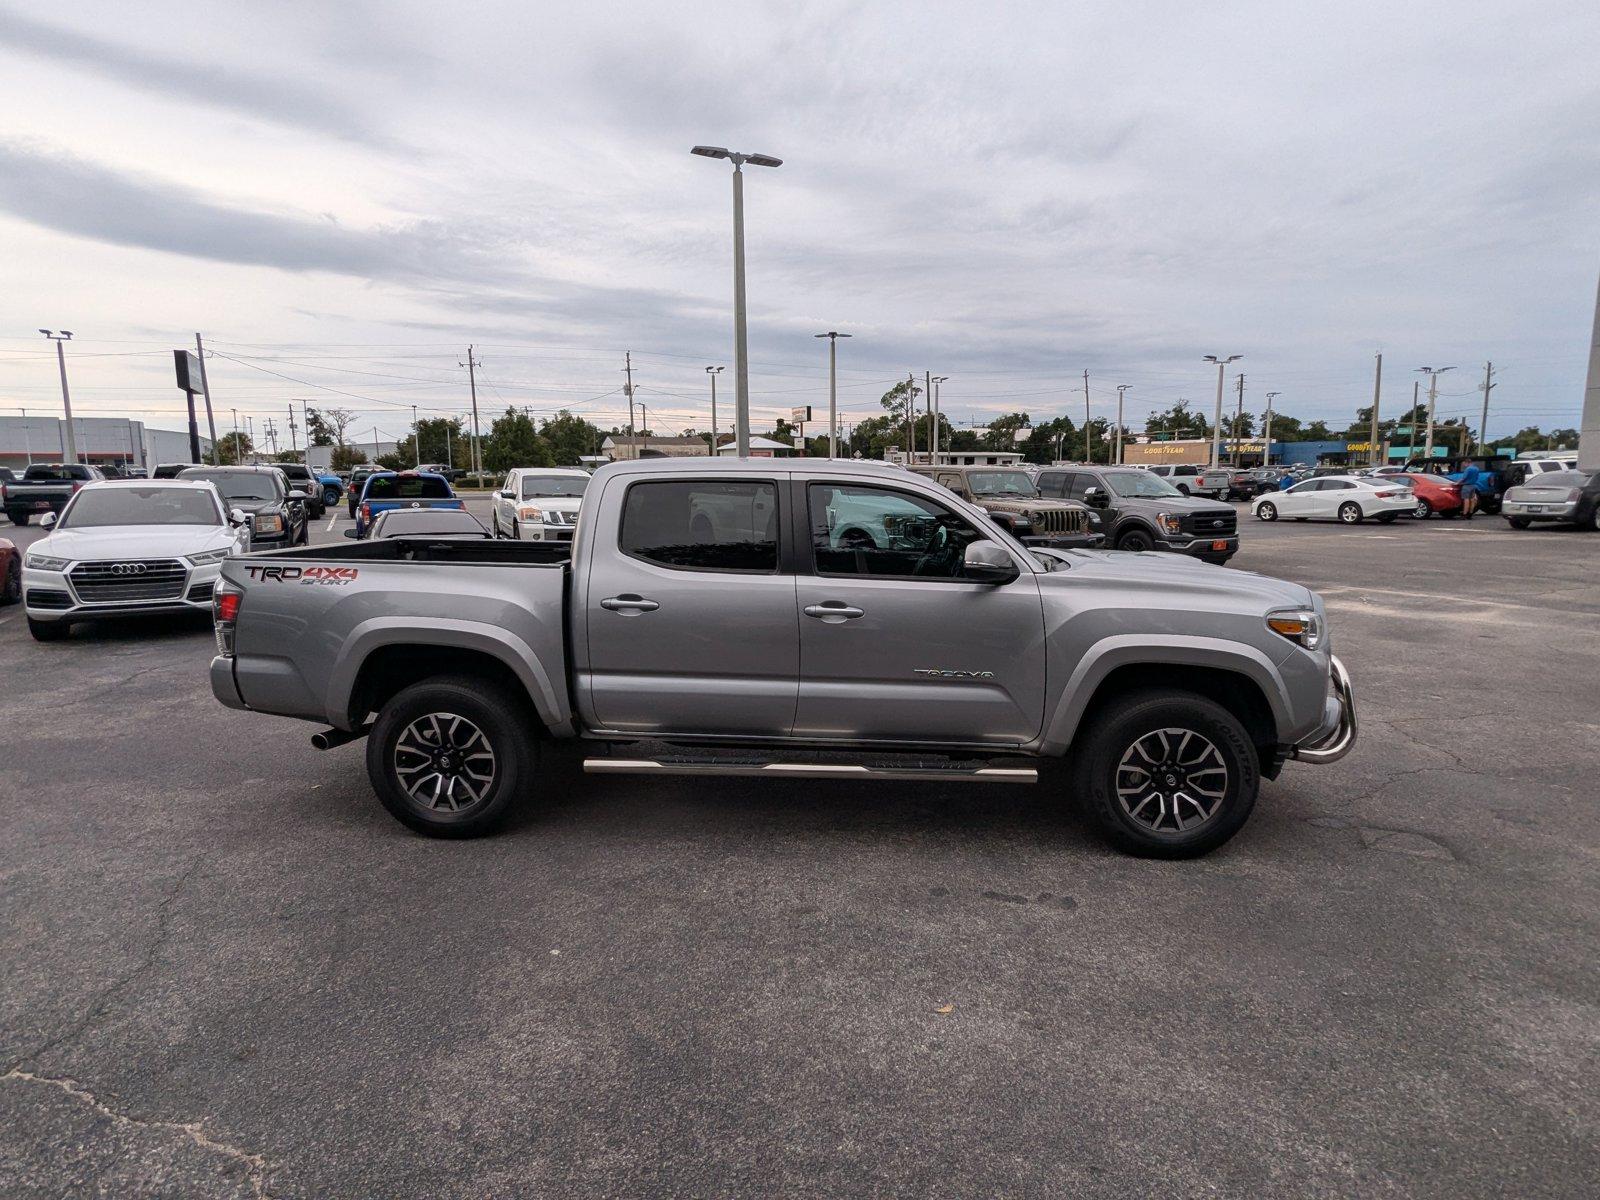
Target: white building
(100, 441)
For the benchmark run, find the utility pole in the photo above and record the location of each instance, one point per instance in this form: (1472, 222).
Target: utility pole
(205, 390)
(374, 444)
(1377, 389)
(1266, 446)
(294, 446)
(911, 418)
(250, 431)
(1589, 423)
(1238, 422)
(1483, 425)
(272, 435)
(1088, 433)
(60, 339)
(236, 455)
(713, 372)
(1121, 388)
(627, 358)
(416, 436)
(1433, 374)
(472, 365)
(1216, 427)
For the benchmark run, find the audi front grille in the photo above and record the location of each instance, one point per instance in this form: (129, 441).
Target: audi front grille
(129, 581)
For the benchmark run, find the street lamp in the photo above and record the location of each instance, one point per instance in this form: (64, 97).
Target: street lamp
(1216, 428)
(714, 372)
(1266, 449)
(933, 445)
(833, 389)
(1121, 388)
(1433, 374)
(66, 397)
(741, 364)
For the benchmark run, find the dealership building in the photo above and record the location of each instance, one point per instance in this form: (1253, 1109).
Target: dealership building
(1248, 452)
(101, 441)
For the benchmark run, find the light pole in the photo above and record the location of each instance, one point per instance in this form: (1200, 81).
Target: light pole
(1266, 449)
(934, 449)
(1433, 374)
(1216, 428)
(1121, 388)
(66, 397)
(833, 337)
(416, 436)
(714, 372)
(741, 361)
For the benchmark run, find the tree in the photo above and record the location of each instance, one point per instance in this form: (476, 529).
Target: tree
(1178, 421)
(318, 429)
(336, 421)
(514, 442)
(344, 458)
(234, 448)
(569, 438)
(441, 440)
(1002, 431)
(1318, 431)
(900, 403)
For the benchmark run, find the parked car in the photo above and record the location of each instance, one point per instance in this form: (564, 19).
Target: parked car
(10, 572)
(1194, 480)
(45, 488)
(170, 470)
(129, 548)
(423, 522)
(538, 504)
(7, 475)
(1497, 474)
(402, 489)
(1341, 498)
(1433, 493)
(323, 490)
(1555, 496)
(1011, 498)
(277, 514)
(771, 634)
(1142, 511)
(450, 474)
(358, 480)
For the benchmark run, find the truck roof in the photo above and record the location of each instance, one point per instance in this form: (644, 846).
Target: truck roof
(865, 468)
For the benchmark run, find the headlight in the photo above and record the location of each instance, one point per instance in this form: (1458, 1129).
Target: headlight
(530, 514)
(268, 523)
(1301, 625)
(207, 557)
(1169, 523)
(43, 562)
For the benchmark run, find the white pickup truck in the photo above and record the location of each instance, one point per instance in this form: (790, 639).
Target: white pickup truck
(1191, 480)
(790, 618)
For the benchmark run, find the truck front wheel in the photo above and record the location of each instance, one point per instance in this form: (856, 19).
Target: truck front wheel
(1166, 775)
(449, 757)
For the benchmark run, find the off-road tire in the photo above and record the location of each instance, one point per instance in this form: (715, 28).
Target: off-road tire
(504, 722)
(1100, 749)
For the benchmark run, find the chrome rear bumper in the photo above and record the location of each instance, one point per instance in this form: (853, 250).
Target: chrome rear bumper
(1337, 744)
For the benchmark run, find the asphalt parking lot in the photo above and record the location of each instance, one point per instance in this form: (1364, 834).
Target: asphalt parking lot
(228, 973)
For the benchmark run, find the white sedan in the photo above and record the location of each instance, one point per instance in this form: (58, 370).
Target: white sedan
(126, 548)
(538, 504)
(1343, 498)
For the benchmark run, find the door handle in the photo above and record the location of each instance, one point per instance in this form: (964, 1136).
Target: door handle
(833, 612)
(629, 604)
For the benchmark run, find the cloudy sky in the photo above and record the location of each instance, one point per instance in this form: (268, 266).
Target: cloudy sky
(343, 196)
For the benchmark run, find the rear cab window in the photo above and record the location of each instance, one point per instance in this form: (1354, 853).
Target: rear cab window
(401, 487)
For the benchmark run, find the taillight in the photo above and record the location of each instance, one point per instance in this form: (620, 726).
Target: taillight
(225, 601)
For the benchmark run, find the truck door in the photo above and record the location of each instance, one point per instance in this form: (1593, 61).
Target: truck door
(691, 626)
(895, 645)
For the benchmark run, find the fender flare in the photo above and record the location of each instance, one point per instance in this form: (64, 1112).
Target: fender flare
(1108, 654)
(1129, 523)
(548, 702)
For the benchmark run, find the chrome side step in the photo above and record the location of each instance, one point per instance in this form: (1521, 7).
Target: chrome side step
(646, 766)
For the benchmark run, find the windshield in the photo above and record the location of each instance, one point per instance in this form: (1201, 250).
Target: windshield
(238, 485)
(1140, 483)
(553, 485)
(96, 507)
(1001, 483)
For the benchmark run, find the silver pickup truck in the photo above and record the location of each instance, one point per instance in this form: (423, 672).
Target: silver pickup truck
(790, 618)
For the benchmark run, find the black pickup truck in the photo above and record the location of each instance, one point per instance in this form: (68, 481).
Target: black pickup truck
(44, 487)
(1142, 511)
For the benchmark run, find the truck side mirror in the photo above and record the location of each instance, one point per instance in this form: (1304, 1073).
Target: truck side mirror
(1095, 498)
(986, 562)
(47, 520)
(238, 516)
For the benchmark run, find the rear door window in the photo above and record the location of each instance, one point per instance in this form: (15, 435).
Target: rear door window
(702, 525)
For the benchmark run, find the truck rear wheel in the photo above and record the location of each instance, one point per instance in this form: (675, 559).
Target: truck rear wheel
(1166, 775)
(449, 757)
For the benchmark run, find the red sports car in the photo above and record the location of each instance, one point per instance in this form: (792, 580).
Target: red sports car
(10, 572)
(1435, 494)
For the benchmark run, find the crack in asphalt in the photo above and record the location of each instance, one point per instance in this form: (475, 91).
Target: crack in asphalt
(255, 1165)
(100, 1006)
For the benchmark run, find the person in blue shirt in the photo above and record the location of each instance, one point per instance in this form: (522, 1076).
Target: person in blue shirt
(1471, 481)
(1286, 482)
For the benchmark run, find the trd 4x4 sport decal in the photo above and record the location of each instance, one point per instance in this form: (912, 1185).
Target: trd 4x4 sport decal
(325, 575)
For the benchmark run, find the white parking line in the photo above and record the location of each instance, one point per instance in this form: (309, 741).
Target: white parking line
(331, 522)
